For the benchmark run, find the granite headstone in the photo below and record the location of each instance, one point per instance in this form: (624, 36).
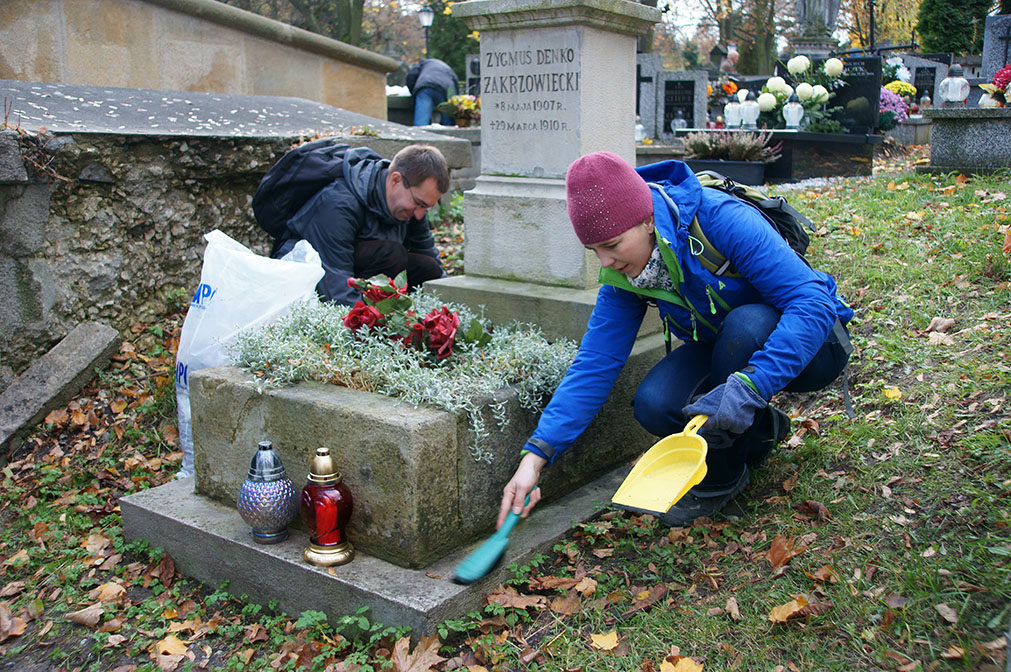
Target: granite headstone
(927, 75)
(683, 92)
(859, 98)
(996, 45)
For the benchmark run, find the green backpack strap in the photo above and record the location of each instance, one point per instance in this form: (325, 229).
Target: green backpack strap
(710, 257)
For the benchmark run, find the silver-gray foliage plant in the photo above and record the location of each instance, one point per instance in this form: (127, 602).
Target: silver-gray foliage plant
(312, 343)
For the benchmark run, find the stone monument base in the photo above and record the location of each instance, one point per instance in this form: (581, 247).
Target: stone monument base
(418, 491)
(209, 542)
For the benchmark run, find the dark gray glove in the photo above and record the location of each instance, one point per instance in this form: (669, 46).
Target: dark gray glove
(731, 407)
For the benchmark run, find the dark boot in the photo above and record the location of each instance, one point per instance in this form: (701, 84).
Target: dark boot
(698, 503)
(771, 426)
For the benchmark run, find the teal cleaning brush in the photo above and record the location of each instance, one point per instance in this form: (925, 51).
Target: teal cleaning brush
(482, 559)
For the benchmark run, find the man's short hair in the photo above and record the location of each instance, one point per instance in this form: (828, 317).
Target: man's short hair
(417, 163)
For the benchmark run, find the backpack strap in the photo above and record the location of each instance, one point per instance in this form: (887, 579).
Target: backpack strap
(709, 257)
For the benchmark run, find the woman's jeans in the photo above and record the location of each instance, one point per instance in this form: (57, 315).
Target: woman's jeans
(695, 368)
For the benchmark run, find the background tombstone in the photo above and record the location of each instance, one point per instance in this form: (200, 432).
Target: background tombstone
(680, 91)
(996, 45)
(647, 67)
(860, 99)
(557, 82)
(927, 75)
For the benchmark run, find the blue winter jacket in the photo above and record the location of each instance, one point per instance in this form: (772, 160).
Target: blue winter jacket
(772, 273)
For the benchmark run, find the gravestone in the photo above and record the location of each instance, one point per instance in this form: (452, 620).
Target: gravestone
(860, 98)
(683, 92)
(996, 45)
(927, 75)
(647, 67)
(558, 81)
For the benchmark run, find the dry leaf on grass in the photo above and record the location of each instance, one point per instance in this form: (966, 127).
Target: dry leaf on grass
(941, 324)
(937, 338)
(566, 604)
(791, 609)
(89, 616)
(732, 609)
(680, 664)
(508, 597)
(782, 551)
(606, 641)
(895, 601)
(424, 658)
(947, 613)
(10, 626)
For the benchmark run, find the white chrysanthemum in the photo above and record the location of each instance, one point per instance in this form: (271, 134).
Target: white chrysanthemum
(833, 67)
(798, 64)
(775, 84)
(767, 102)
(804, 90)
(819, 94)
(742, 94)
(787, 90)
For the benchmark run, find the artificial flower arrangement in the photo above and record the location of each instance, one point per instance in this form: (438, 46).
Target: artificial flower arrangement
(814, 89)
(997, 89)
(412, 347)
(461, 106)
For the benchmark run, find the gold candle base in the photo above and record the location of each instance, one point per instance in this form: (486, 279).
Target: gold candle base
(328, 556)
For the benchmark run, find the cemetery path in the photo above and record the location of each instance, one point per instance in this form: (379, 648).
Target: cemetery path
(877, 543)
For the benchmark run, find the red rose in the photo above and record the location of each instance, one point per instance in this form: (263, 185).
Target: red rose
(441, 327)
(416, 337)
(376, 294)
(362, 315)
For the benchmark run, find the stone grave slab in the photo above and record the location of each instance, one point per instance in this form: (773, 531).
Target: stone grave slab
(996, 45)
(54, 379)
(210, 542)
(419, 493)
(70, 108)
(680, 91)
(969, 140)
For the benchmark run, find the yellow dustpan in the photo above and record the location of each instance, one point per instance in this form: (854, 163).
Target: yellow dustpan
(666, 472)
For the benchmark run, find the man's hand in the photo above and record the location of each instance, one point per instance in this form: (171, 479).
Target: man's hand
(523, 481)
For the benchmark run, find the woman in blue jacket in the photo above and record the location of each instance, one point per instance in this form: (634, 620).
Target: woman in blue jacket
(775, 324)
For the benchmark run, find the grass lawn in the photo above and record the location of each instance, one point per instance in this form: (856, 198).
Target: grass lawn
(881, 542)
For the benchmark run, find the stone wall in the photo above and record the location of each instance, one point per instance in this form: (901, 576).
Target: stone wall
(114, 229)
(185, 45)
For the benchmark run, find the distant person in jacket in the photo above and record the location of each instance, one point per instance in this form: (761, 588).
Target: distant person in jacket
(431, 82)
(372, 221)
(778, 325)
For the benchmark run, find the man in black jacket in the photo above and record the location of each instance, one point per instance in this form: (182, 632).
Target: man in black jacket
(431, 82)
(372, 221)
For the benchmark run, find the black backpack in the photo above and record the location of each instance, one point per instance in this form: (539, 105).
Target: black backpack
(298, 176)
(783, 217)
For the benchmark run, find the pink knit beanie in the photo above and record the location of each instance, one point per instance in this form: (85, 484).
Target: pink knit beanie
(605, 196)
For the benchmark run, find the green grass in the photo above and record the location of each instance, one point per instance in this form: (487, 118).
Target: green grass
(917, 490)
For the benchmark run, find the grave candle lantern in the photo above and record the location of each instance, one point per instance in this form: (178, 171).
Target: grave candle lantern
(954, 88)
(267, 500)
(326, 508)
(793, 112)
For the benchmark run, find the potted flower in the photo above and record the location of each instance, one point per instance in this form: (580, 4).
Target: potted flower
(893, 109)
(463, 107)
(739, 155)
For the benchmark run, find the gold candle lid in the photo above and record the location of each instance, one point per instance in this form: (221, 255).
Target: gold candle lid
(322, 469)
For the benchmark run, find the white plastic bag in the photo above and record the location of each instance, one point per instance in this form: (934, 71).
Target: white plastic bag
(238, 291)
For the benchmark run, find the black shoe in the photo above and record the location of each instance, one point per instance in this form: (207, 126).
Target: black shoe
(696, 504)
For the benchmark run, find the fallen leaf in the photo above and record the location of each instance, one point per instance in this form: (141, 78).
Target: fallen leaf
(937, 338)
(606, 641)
(732, 609)
(245, 655)
(1006, 247)
(566, 604)
(789, 483)
(12, 588)
(813, 510)
(114, 640)
(16, 560)
(10, 626)
(586, 586)
(825, 573)
(108, 592)
(424, 658)
(782, 551)
(89, 616)
(953, 652)
(508, 597)
(96, 543)
(784, 612)
(947, 613)
(896, 601)
(683, 664)
(941, 324)
(892, 392)
(603, 552)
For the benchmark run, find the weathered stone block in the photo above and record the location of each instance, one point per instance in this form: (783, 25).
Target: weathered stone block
(969, 139)
(419, 494)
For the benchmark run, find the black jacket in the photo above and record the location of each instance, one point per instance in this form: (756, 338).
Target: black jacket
(351, 209)
(431, 73)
